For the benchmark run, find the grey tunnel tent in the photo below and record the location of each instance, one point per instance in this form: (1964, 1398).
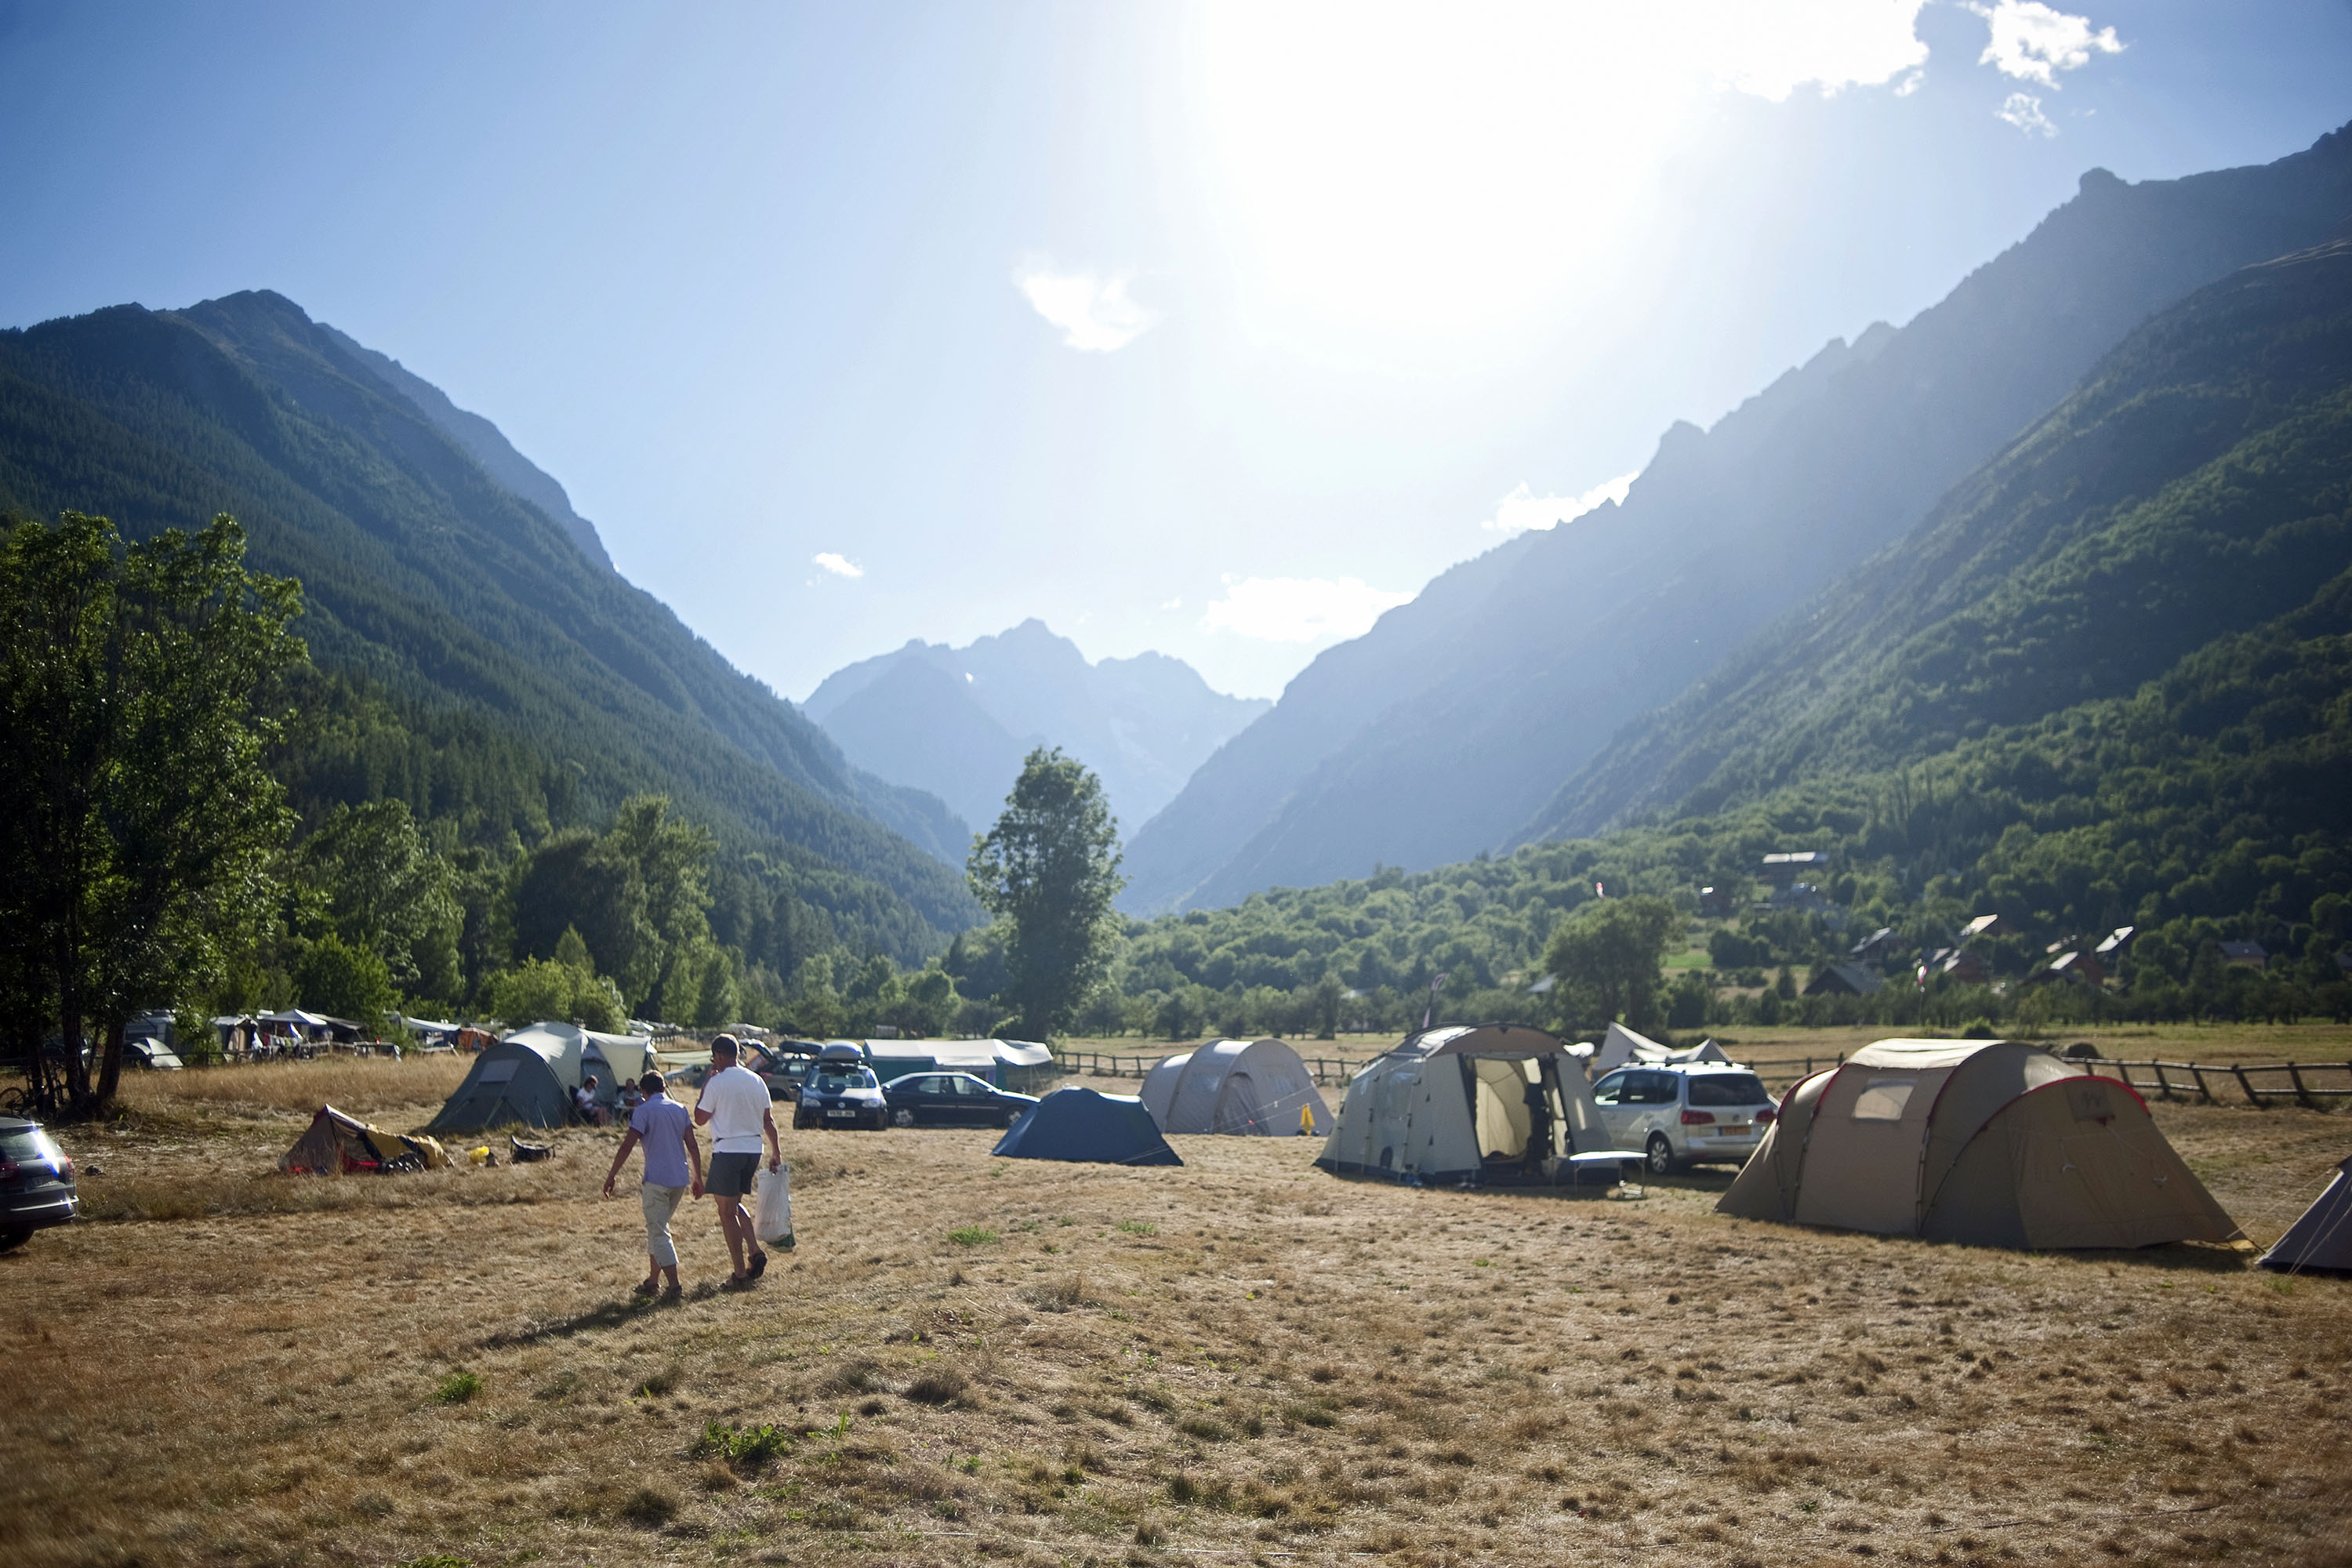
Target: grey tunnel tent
(1988, 1142)
(1253, 1087)
(529, 1077)
(1088, 1127)
(2321, 1241)
(1498, 1105)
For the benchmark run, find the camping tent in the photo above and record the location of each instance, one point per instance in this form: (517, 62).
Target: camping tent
(1016, 1065)
(1622, 1045)
(1257, 1086)
(336, 1145)
(1993, 1144)
(529, 1077)
(2322, 1240)
(1496, 1105)
(1084, 1124)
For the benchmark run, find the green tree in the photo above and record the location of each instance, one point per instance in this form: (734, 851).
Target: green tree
(1049, 871)
(346, 980)
(387, 892)
(566, 987)
(1606, 958)
(137, 818)
(640, 895)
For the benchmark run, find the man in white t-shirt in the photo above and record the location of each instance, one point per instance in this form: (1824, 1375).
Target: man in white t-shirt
(736, 1108)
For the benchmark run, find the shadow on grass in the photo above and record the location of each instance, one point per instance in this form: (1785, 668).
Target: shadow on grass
(612, 1314)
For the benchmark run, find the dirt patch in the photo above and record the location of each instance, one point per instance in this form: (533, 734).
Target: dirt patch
(1238, 1358)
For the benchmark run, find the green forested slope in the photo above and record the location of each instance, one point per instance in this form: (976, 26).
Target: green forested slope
(2197, 483)
(463, 606)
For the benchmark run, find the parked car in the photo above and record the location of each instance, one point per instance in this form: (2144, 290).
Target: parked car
(783, 1065)
(37, 1182)
(841, 1091)
(146, 1052)
(951, 1100)
(1691, 1113)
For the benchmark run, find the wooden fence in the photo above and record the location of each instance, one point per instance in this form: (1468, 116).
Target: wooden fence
(1099, 1064)
(2260, 1083)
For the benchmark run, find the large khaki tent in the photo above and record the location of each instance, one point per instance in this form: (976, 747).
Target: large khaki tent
(1989, 1143)
(1498, 1105)
(335, 1144)
(529, 1077)
(2321, 1241)
(1250, 1087)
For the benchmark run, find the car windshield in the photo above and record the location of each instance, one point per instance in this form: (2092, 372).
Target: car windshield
(1728, 1088)
(841, 1080)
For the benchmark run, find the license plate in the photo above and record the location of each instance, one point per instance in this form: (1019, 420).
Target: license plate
(845, 1115)
(1735, 1130)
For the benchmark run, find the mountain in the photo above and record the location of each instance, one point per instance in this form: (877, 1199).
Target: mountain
(957, 722)
(2197, 484)
(1450, 726)
(432, 570)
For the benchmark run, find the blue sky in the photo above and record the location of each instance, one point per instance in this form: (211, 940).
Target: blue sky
(1205, 329)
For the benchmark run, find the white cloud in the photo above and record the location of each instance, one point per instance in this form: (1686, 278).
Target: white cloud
(2024, 110)
(2034, 43)
(838, 564)
(1521, 510)
(1771, 50)
(1298, 609)
(1092, 310)
(1173, 605)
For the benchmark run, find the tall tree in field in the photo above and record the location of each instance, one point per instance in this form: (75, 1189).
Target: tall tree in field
(1606, 957)
(1049, 870)
(137, 821)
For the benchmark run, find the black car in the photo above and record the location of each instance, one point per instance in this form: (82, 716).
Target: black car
(36, 1183)
(951, 1100)
(841, 1090)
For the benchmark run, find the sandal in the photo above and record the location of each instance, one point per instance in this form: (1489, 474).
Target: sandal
(644, 1288)
(736, 1282)
(672, 1293)
(759, 1263)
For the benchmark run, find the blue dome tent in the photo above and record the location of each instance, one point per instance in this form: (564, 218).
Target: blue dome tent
(1088, 1126)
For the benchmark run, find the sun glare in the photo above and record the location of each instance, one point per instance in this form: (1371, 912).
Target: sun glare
(1431, 175)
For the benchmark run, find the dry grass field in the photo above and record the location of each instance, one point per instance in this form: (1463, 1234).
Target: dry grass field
(979, 1361)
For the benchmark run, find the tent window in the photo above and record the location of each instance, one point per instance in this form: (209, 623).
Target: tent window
(1883, 1100)
(498, 1072)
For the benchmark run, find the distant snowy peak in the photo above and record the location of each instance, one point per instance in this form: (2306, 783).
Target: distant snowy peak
(957, 722)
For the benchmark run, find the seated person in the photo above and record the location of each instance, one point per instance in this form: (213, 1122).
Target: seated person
(584, 1099)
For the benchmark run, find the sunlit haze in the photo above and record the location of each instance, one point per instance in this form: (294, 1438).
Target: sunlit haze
(1217, 330)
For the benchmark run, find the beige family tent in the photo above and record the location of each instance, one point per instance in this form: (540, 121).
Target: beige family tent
(1250, 1087)
(1992, 1144)
(2321, 1241)
(337, 1145)
(529, 1077)
(1496, 1105)
(1621, 1047)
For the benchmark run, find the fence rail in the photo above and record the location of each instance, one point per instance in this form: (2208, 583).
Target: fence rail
(2260, 1083)
(1101, 1064)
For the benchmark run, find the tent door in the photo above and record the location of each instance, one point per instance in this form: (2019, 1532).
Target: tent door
(1501, 1113)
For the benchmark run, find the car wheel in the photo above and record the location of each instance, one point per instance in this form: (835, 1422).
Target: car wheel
(1660, 1159)
(10, 1241)
(903, 1117)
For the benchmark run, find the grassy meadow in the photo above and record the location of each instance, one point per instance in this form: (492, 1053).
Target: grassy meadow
(976, 1360)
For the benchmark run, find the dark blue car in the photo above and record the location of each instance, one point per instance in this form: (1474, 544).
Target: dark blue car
(37, 1182)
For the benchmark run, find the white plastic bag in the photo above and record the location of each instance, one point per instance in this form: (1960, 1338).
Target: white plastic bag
(771, 1212)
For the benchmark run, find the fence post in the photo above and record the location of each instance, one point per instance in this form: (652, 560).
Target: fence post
(2163, 1086)
(2302, 1095)
(2252, 1098)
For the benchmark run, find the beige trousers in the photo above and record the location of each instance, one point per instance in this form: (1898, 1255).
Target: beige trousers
(660, 1204)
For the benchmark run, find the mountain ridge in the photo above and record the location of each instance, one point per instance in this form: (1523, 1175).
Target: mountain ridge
(425, 574)
(1142, 723)
(1463, 733)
